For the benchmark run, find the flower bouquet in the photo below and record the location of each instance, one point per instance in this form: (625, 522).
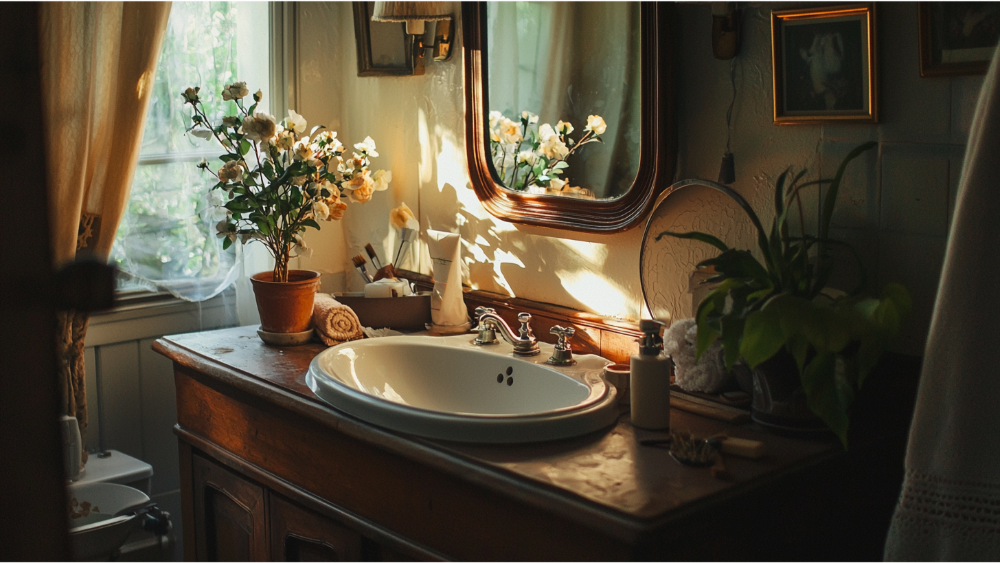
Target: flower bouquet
(279, 181)
(529, 160)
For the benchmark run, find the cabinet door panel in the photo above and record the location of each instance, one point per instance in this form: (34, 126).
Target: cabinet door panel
(298, 534)
(229, 515)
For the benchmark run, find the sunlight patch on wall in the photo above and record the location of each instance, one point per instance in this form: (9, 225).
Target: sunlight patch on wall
(594, 253)
(594, 291)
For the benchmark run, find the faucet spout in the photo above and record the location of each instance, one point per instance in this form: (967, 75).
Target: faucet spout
(524, 342)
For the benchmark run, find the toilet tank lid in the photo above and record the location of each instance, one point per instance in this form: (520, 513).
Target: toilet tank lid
(115, 468)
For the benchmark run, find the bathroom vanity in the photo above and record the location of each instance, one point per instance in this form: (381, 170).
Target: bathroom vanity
(269, 471)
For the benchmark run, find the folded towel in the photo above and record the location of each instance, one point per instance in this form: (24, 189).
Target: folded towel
(335, 323)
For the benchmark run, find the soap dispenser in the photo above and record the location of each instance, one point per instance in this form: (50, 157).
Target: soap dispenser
(650, 380)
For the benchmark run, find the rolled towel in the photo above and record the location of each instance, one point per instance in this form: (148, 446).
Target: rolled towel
(335, 322)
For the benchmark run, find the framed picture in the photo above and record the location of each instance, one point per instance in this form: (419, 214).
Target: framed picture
(957, 37)
(383, 48)
(825, 64)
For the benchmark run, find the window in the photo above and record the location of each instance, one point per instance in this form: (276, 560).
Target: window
(167, 237)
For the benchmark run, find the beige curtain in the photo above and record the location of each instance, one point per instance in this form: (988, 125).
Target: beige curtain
(98, 63)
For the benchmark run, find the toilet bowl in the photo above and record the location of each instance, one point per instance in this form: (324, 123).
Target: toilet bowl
(101, 517)
(109, 505)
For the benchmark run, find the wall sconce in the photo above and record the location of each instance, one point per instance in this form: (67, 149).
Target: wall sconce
(414, 14)
(725, 30)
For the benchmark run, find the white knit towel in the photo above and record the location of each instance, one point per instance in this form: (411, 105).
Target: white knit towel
(949, 508)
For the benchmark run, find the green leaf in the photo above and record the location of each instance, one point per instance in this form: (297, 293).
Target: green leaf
(732, 335)
(828, 393)
(739, 264)
(226, 243)
(702, 237)
(310, 223)
(762, 336)
(244, 147)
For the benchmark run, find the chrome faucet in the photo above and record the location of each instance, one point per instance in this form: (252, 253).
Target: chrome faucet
(490, 323)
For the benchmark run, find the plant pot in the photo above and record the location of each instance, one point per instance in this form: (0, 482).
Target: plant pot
(779, 401)
(285, 306)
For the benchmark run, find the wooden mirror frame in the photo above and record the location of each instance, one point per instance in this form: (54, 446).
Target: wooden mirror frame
(657, 149)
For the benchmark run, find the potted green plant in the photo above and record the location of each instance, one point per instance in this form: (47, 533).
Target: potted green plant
(810, 347)
(278, 182)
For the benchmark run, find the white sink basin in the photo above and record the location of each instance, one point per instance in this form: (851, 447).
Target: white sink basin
(447, 388)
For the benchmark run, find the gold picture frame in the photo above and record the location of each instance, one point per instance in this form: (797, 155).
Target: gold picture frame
(825, 64)
(957, 38)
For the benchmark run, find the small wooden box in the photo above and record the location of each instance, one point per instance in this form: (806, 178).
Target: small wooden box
(411, 312)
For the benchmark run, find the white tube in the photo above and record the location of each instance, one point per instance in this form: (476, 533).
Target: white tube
(447, 304)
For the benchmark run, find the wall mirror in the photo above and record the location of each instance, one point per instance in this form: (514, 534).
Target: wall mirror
(569, 110)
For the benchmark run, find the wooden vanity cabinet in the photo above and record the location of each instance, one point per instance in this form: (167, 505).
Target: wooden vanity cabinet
(270, 472)
(237, 519)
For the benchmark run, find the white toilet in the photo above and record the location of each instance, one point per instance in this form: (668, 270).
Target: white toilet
(109, 509)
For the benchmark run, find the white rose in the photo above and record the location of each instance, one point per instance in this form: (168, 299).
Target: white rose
(300, 247)
(545, 132)
(564, 127)
(302, 150)
(553, 147)
(368, 146)
(596, 124)
(295, 122)
(381, 179)
(532, 118)
(510, 131)
(321, 210)
(495, 117)
(285, 140)
(361, 187)
(259, 127)
(235, 91)
(556, 184)
(529, 157)
(230, 120)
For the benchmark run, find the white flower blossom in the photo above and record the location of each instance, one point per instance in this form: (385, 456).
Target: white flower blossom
(259, 127)
(381, 179)
(368, 146)
(295, 122)
(564, 127)
(532, 118)
(235, 91)
(596, 124)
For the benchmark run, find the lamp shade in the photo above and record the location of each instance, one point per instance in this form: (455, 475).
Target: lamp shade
(411, 10)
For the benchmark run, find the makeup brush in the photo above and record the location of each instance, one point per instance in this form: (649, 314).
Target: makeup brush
(406, 236)
(359, 263)
(371, 254)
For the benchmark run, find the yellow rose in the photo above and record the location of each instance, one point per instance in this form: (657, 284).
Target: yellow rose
(361, 188)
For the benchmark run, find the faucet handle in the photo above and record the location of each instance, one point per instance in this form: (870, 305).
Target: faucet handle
(562, 355)
(486, 333)
(525, 331)
(564, 335)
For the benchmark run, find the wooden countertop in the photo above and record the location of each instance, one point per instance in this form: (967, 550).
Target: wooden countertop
(606, 474)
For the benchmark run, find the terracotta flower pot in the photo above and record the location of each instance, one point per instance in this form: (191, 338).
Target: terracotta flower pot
(285, 306)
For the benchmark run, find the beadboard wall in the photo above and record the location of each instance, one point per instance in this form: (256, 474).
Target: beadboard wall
(130, 389)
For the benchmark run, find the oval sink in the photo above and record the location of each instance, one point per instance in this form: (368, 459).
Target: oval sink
(450, 389)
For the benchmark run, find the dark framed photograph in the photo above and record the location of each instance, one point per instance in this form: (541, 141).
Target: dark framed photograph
(957, 37)
(383, 48)
(825, 64)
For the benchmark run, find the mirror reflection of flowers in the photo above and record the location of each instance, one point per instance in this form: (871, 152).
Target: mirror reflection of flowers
(534, 159)
(279, 181)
